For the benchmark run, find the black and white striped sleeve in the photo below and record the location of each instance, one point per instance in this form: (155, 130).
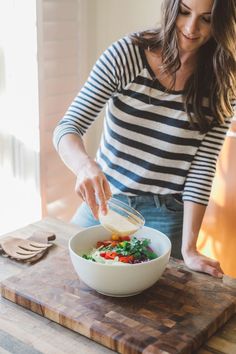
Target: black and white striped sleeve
(202, 171)
(104, 80)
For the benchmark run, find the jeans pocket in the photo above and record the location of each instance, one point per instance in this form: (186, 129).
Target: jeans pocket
(84, 217)
(174, 203)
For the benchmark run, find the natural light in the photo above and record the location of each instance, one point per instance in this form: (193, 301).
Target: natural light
(19, 118)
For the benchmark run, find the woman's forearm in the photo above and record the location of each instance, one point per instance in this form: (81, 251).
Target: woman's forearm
(91, 183)
(193, 216)
(72, 152)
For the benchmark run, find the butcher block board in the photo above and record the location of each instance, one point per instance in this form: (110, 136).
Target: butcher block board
(177, 315)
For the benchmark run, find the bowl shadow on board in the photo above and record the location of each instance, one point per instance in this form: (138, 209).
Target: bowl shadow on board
(118, 280)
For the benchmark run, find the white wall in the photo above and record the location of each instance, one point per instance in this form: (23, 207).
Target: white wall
(109, 20)
(20, 201)
(62, 65)
(114, 19)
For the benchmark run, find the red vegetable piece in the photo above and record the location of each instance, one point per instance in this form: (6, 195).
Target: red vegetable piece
(107, 242)
(103, 243)
(131, 258)
(124, 259)
(99, 244)
(110, 255)
(125, 238)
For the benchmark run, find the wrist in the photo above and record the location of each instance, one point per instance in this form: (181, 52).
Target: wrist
(188, 250)
(83, 163)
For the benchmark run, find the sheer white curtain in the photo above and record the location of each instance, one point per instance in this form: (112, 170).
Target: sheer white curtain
(19, 132)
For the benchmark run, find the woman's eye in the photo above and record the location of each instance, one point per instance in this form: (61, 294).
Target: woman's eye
(206, 19)
(184, 12)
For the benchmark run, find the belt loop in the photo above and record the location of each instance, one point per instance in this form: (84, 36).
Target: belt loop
(157, 200)
(129, 200)
(133, 201)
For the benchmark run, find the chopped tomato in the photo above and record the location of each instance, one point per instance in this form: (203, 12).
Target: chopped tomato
(107, 242)
(125, 238)
(115, 237)
(126, 259)
(110, 255)
(103, 243)
(102, 254)
(99, 244)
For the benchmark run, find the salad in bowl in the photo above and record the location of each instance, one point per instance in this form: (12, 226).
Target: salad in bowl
(121, 249)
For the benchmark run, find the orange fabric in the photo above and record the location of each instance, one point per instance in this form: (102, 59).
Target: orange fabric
(217, 237)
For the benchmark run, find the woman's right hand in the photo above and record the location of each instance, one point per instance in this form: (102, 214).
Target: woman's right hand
(92, 186)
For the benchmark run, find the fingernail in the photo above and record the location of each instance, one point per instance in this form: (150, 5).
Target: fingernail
(220, 275)
(104, 211)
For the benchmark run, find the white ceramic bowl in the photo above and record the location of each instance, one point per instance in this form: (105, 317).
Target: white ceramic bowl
(118, 279)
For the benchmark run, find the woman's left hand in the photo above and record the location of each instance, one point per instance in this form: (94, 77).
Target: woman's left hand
(200, 263)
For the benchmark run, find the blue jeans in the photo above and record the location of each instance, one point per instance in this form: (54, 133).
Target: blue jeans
(161, 212)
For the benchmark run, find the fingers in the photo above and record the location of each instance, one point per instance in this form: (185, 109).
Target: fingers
(104, 195)
(100, 195)
(107, 190)
(95, 191)
(90, 199)
(201, 263)
(213, 268)
(216, 265)
(210, 269)
(81, 193)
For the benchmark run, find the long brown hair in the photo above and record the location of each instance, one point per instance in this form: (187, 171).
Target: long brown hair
(215, 73)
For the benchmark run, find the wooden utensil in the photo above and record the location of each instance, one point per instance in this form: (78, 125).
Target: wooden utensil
(30, 250)
(23, 249)
(41, 236)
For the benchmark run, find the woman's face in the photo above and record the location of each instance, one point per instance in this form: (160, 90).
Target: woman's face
(193, 24)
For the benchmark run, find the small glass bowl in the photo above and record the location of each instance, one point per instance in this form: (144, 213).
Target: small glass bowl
(121, 219)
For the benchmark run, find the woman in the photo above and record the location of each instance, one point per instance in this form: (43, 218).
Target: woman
(168, 95)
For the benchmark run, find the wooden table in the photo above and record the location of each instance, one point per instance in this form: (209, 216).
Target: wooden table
(24, 332)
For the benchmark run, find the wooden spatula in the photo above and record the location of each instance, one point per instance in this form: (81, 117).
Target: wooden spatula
(27, 249)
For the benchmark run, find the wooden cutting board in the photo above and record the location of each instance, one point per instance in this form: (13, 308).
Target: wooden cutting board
(177, 315)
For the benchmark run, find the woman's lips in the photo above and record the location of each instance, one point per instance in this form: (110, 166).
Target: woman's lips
(189, 38)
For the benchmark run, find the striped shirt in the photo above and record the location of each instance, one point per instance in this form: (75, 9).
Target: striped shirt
(147, 145)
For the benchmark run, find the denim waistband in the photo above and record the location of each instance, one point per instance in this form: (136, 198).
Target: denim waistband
(148, 199)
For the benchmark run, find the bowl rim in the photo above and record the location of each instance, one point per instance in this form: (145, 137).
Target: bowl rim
(117, 265)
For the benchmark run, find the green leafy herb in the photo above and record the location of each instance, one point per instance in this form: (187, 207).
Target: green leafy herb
(138, 248)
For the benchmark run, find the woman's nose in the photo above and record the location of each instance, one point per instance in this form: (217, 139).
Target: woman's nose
(191, 26)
